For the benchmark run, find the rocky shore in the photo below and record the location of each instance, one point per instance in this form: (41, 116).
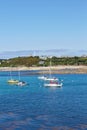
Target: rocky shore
(54, 69)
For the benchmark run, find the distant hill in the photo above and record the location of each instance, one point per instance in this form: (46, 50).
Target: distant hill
(52, 52)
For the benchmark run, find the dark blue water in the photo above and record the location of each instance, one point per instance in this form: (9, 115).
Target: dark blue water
(36, 107)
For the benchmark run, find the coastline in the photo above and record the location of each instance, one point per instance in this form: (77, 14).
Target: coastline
(61, 69)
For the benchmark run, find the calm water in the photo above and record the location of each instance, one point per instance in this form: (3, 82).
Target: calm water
(36, 107)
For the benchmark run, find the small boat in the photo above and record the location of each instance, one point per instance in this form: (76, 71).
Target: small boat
(42, 77)
(48, 78)
(21, 83)
(53, 84)
(12, 81)
(51, 79)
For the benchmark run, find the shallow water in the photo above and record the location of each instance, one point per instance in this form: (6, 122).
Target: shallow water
(36, 107)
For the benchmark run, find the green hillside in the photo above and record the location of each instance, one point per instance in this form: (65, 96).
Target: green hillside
(37, 61)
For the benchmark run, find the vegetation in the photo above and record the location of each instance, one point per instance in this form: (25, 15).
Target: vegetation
(37, 61)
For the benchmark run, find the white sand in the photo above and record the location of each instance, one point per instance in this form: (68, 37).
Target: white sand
(42, 68)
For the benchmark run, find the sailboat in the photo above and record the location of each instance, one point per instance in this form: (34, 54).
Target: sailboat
(53, 84)
(42, 77)
(20, 83)
(50, 76)
(11, 80)
(52, 81)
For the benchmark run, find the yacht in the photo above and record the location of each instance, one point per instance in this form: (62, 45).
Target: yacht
(53, 84)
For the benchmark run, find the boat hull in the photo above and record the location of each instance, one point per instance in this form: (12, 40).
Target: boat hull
(42, 77)
(12, 81)
(50, 79)
(21, 83)
(53, 85)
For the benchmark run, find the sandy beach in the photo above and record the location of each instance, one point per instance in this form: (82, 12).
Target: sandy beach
(54, 69)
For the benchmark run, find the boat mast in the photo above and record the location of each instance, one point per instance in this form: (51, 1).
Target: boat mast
(19, 74)
(10, 75)
(50, 67)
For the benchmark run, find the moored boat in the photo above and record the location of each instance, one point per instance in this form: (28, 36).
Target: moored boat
(21, 83)
(53, 84)
(12, 81)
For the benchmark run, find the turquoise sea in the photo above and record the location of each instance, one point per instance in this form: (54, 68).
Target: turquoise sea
(35, 107)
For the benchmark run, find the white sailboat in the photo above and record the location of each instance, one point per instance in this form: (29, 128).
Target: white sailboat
(52, 81)
(42, 77)
(20, 83)
(48, 78)
(50, 75)
(53, 84)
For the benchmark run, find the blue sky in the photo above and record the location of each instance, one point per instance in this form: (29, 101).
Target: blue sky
(43, 24)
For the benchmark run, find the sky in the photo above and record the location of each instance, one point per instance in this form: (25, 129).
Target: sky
(43, 24)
